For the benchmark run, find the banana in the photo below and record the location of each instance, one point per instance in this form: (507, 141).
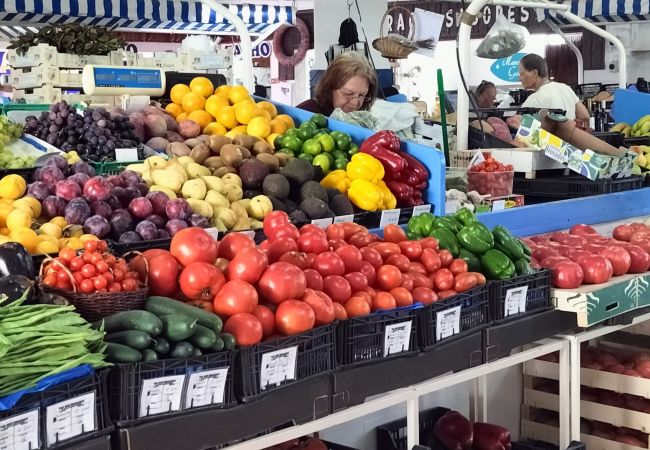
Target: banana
(645, 128)
(619, 127)
(146, 176)
(627, 131)
(201, 207)
(168, 192)
(168, 178)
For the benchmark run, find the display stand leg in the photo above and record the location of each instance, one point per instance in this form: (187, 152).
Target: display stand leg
(478, 399)
(566, 400)
(412, 422)
(574, 396)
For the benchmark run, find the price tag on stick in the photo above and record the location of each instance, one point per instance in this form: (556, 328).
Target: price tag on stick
(421, 209)
(448, 322)
(397, 338)
(206, 388)
(515, 301)
(388, 217)
(161, 395)
(346, 218)
(70, 418)
(20, 432)
(278, 366)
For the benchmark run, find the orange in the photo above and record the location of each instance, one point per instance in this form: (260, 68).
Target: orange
(12, 186)
(18, 219)
(214, 103)
(4, 212)
(174, 109)
(181, 117)
(201, 117)
(268, 106)
(26, 237)
(238, 93)
(214, 128)
(193, 101)
(278, 126)
(226, 117)
(286, 119)
(224, 89)
(259, 127)
(245, 111)
(178, 92)
(240, 129)
(202, 86)
(264, 113)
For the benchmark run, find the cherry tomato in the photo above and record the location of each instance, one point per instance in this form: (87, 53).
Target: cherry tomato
(63, 276)
(50, 279)
(339, 311)
(100, 282)
(394, 233)
(321, 304)
(357, 307)
(129, 284)
(101, 266)
(389, 277)
(357, 280)
(424, 295)
(294, 317)
(102, 246)
(115, 287)
(87, 256)
(372, 256)
(67, 254)
(57, 264)
(266, 318)
(118, 275)
(274, 220)
(337, 288)
(411, 249)
(86, 286)
(88, 270)
(431, 260)
(369, 271)
(90, 246)
(78, 278)
(314, 279)
(109, 277)
(383, 301)
(76, 263)
(402, 296)
(235, 297)
(464, 282)
(246, 328)
(443, 279)
(445, 257)
(313, 242)
(351, 257)
(96, 257)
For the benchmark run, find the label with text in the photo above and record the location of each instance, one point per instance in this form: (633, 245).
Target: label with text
(20, 432)
(278, 366)
(389, 217)
(322, 223)
(448, 322)
(161, 395)
(346, 218)
(515, 301)
(421, 209)
(206, 388)
(70, 418)
(397, 338)
(498, 205)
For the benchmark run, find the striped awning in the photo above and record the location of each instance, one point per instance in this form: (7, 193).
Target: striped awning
(604, 11)
(181, 16)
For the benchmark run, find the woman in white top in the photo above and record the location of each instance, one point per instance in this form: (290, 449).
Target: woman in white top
(533, 73)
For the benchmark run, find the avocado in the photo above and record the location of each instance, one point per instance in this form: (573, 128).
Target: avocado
(318, 173)
(315, 208)
(298, 217)
(313, 189)
(341, 205)
(250, 193)
(252, 173)
(278, 205)
(298, 171)
(290, 205)
(276, 185)
(331, 193)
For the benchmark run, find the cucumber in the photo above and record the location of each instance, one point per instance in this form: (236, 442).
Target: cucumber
(138, 340)
(160, 345)
(178, 328)
(197, 352)
(162, 306)
(228, 341)
(218, 345)
(131, 320)
(203, 337)
(149, 355)
(182, 350)
(119, 353)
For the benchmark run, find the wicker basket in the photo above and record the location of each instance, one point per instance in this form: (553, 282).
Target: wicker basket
(390, 48)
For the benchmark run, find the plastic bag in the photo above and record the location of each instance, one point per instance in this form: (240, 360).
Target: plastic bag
(504, 39)
(364, 119)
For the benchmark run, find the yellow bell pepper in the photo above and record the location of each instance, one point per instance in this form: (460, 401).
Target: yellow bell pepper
(337, 179)
(388, 199)
(365, 167)
(365, 195)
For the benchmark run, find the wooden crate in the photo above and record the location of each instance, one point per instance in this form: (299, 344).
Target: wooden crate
(549, 433)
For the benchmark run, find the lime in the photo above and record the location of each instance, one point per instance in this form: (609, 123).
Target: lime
(306, 157)
(330, 157)
(343, 141)
(292, 142)
(340, 164)
(327, 142)
(292, 132)
(339, 154)
(277, 143)
(288, 151)
(311, 147)
(354, 149)
(306, 131)
(322, 161)
(322, 131)
(319, 120)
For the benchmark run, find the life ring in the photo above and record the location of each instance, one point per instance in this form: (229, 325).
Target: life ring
(291, 60)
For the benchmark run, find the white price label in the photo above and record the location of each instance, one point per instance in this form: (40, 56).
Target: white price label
(448, 322)
(478, 158)
(206, 388)
(70, 418)
(397, 338)
(323, 223)
(20, 432)
(249, 233)
(498, 205)
(421, 209)
(389, 216)
(278, 366)
(346, 218)
(126, 154)
(515, 302)
(213, 232)
(161, 395)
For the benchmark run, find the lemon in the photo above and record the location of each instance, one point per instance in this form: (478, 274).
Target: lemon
(202, 86)
(215, 128)
(192, 102)
(178, 92)
(226, 117)
(18, 219)
(51, 229)
(60, 221)
(25, 237)
(269, 107)
(238, 93)
(259, 127)
(214, 103)
(12, 186)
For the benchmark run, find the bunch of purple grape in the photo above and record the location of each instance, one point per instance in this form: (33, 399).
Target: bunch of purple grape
(94, 135)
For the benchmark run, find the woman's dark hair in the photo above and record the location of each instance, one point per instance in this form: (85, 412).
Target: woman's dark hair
(535, 62)
(483, 86)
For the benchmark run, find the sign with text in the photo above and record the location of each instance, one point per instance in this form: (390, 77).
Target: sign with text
(507, 69)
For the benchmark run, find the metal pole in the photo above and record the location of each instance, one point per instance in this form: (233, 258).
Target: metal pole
(443, 117)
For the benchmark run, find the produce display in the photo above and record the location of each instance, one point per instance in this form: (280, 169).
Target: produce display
(70, 38)
(9, 132)
(491, 177)
(640, 128)
(642, 161)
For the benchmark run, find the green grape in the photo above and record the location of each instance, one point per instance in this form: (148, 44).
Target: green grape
(4, 119)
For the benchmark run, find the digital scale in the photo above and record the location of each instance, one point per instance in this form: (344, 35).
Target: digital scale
(123, 81)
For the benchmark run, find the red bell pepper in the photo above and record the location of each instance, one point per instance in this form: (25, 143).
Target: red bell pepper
(416, 169)
(383, 146)
(488, 436)
(402, 192)
(454, 431)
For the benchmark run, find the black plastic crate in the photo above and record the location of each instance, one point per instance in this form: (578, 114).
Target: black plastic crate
(565, 187)
(637, 140)
(27, 173)
(334, 446)
(392, 436)
(126, 382)
(538, 296)
(613, 138)
(121, 248)
(538, 445)
(473, 316)
(314, 357)
(361, 340)
(588, 90)
(59, 393)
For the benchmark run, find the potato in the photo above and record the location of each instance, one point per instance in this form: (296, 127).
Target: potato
(189, 129)
(159, 144)
(155, 125)
(173, 136)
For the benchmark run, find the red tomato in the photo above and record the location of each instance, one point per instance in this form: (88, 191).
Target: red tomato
(339, 311)
(457, 266)
(389, 277)
(416, 267)
(407, 281)
(619, 258)
(337, 288)
(464, 282)
(582, 229)
(298, 259)
(246, 328)
(430, 260)
(77, 262)
(194, 244)
(280, 246)
(273, 220)
(640, 259)
(311, 228)
(445, 257)
(294, 317)
(329, 263)
(321, 304)
(357, 280)
(429, 242)
(420, 280)
(350, 228)
(235, 297)
(597, 269)
(233, 243)
(550, 261)
(446, 294)
(314, 279)
(399, 261)
(480, 278)
(622, 232)
(163, 273)
(312, 242)
(201, 281)
(372, 256)
(386, 249)
(248, 265)
(424, 295)
(335, 244)
(411, 249)
(394, 233)
(88, 270)
(542, 253)
(383, 301)
(567, 275)
(357, 307)
(129, 284)
(443, 279)
(335, 232)
(287, 230)
(205, 306)
(351, 256)
(86, 286)
(364, 295)
(402, 296)
(282, 281)
(361, 239)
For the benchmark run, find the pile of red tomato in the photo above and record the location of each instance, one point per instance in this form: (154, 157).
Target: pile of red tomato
(301, 278)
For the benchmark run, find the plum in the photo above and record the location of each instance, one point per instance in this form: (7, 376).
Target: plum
(39, 190)
(175, 225)
(67, 189)
(116, 180)
(57, 161)
(157, 220)
(121, 222)
(100, 208)
(113, 201)
(97, 225)
(128, 194)
(130, 237)
(178, 208)
(77, 212)
(49, 175)
(147, 230)
(53, 206)
(130, 175)
(198, 221)
(163, 234)
(80, 179)
(83, 167)
(97, 188)
(142, 187)
(140, 207)
(159, 202)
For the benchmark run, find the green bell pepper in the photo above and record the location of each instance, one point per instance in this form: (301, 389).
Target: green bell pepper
(465, 216)
(420, 226)
(446, 240)
(496, 265)
(506, 243)
(470, 239)
(447, 222)
(473, 261)
(523, 268)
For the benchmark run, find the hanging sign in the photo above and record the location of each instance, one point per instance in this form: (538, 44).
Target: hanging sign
(507, 69)
(262, 50)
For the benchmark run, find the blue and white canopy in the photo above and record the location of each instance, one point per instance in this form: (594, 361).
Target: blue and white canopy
(604, 11)
(181, 16)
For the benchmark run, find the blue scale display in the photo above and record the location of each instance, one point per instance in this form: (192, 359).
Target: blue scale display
(119, 80)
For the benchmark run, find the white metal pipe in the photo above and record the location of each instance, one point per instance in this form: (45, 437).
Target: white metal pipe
(572, 46)
(531, 4)
(412, 422)
(566, 412)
